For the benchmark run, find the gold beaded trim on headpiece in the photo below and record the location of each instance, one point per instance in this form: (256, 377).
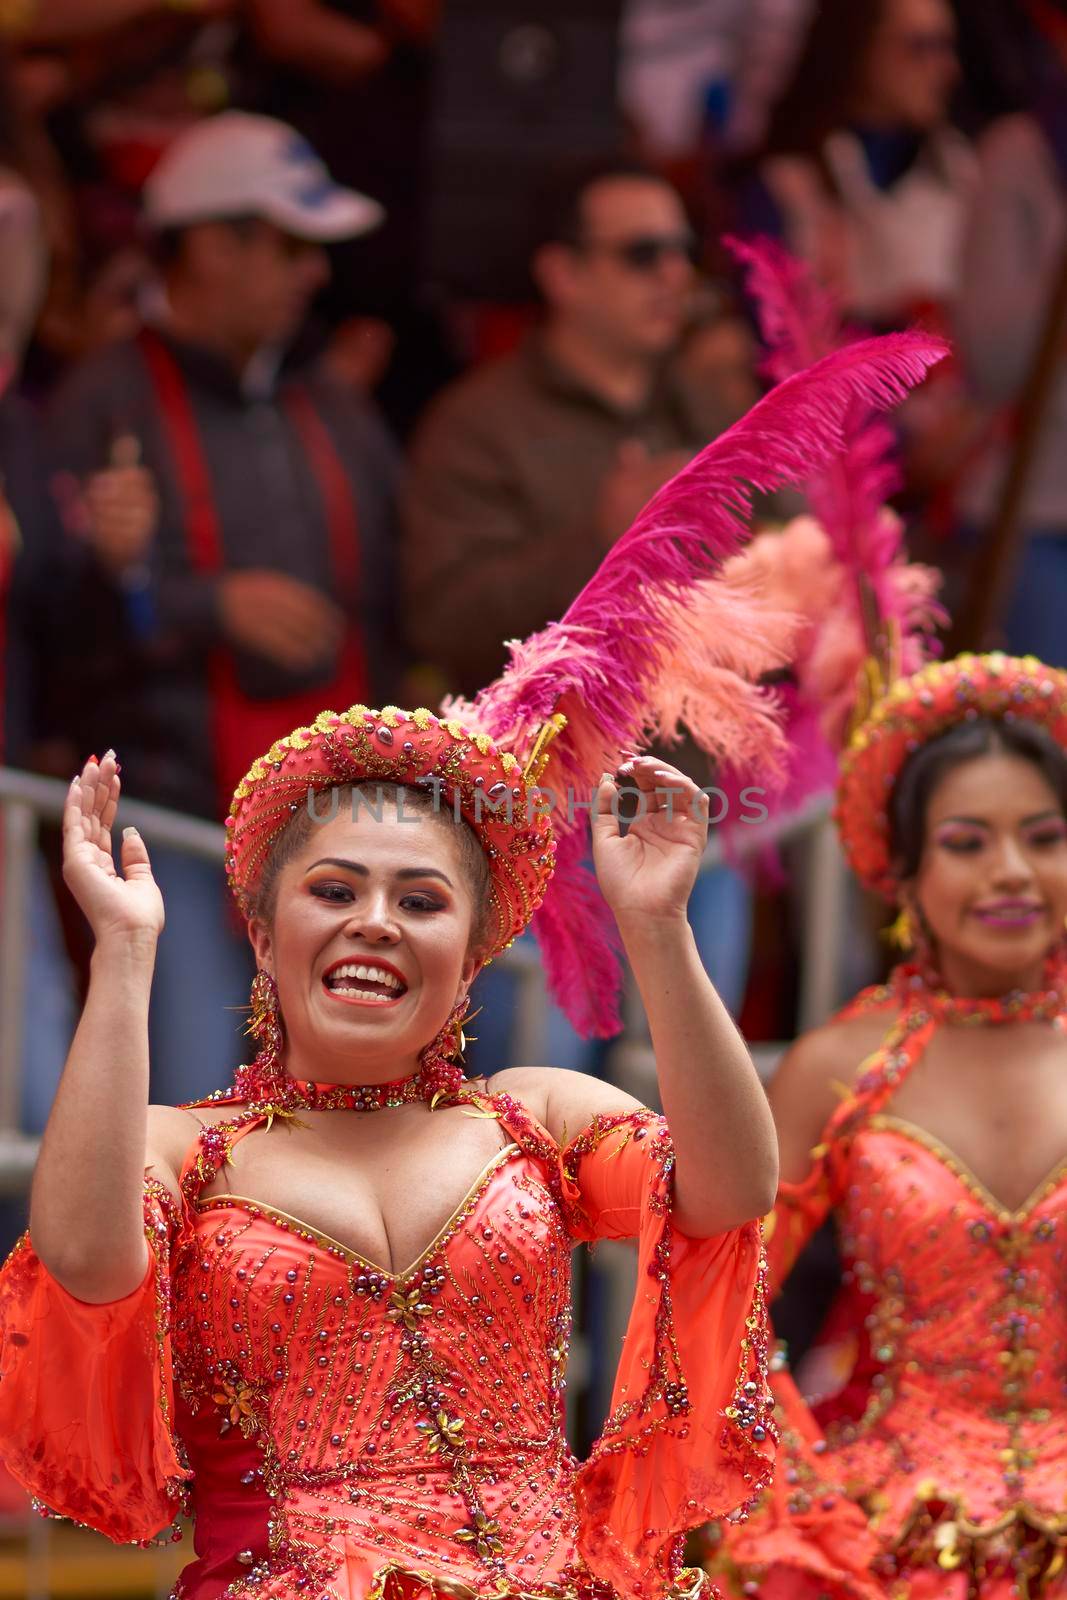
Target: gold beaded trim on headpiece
(914, 711)
(417, 749)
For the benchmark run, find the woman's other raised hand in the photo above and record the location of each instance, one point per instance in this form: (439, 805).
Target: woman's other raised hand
(126, 907)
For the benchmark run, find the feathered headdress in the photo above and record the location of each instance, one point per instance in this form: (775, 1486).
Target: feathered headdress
(863, 613)
(650, 641)
(891, 602)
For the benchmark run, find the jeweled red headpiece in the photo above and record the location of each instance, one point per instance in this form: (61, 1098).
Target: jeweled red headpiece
(463, 771)
(916, 710)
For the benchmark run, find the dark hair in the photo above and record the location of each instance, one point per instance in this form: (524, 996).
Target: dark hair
(416, 802)
(561, 201)
(923, 771)
(820, 94)
(1006, 63)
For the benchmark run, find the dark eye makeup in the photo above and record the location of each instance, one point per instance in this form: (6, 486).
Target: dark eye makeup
(1048, 833)
(1040, 835)
(341, 893)
(961, 843)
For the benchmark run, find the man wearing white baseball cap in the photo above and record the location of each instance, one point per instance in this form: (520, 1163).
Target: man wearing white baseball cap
(249, 578)
(237, 165)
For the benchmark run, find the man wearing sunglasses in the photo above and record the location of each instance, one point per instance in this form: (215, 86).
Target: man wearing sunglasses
(528, 468)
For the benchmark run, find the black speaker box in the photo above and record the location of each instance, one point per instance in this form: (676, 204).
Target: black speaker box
(523, 92)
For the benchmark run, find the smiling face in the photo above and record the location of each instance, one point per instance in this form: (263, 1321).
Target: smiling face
(991, 883)
(368, 939)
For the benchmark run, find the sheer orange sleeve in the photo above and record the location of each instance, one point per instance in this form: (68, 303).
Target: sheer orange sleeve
(690, 1435)
(799, 1212)
(804, 1521)
(86, 1401)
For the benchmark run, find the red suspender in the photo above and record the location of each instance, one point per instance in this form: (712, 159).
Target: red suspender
(244, 728)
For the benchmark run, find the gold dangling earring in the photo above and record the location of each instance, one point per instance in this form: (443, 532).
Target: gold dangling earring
(901, 933)
(265, 1023)
(441, 1062)
(458, 1020)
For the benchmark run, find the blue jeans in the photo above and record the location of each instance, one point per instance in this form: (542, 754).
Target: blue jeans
(1036, 618)
(204, 971)
(720, 915)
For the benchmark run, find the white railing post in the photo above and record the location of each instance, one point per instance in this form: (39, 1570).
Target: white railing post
(824, 924)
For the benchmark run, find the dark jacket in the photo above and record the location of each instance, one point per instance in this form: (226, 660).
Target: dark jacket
(146, 688)
(37, 579)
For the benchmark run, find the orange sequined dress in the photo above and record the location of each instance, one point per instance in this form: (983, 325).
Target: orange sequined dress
(938, 1471)
(341, 1431)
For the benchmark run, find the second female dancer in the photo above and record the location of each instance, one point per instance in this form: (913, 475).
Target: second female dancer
(930, 1119)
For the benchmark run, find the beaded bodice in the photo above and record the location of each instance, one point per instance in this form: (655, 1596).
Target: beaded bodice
(966, 1292)
(964, 1288)
(342, 1432)
(949, 1431)
(931, 1458)
(421, 1410)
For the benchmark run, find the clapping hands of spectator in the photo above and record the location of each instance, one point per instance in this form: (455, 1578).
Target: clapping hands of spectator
(630, 484)
(359, 353)
(122, 509)
(280, 618)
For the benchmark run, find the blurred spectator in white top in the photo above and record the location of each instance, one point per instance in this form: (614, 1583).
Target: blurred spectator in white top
(861, 171)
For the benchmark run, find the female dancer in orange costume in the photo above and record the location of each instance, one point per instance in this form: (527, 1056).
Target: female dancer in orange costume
(346, 1337)
(930, 1119)
(350, 1323)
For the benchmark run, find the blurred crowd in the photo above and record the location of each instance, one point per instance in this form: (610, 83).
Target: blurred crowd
(319, 382)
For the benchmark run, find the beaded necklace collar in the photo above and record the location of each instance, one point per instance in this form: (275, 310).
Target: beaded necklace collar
(258, 1086)
(922, 1005)
(921, 989)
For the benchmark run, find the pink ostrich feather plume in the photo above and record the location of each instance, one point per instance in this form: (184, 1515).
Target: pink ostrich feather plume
(847, 569)
(799, 319)
(607, 663)
(726, 638)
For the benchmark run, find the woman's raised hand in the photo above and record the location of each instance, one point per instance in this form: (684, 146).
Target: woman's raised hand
(126, 907)
(646, 874)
